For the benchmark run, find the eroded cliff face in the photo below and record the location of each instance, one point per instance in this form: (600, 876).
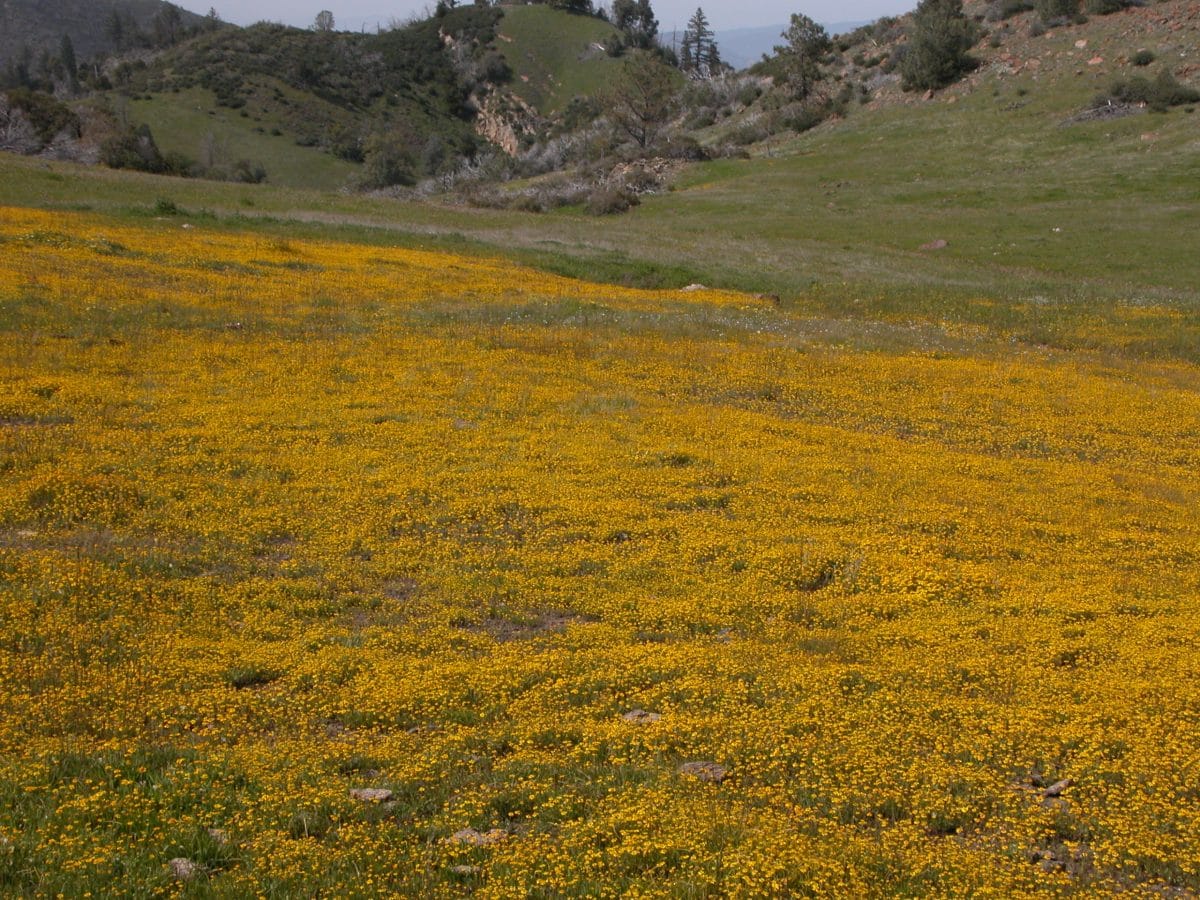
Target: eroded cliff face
(504, 118)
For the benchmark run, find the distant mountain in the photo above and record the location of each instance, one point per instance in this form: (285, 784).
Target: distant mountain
(742, 47)
(40, 25)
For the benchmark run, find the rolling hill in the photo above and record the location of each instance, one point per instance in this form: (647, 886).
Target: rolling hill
(40, 24)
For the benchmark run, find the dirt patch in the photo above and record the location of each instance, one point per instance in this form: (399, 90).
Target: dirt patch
(527, 627)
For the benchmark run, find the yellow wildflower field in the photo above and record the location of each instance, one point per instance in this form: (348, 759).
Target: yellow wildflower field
(284, 520)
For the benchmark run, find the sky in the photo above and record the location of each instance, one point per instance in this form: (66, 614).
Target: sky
(722, 14)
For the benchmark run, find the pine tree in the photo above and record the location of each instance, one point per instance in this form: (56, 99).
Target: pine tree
(687, 55)
(66, 57)
(801, 56)
(624, 14)
(937, 49)
(114, 27)
(698, 53)
(647, 24)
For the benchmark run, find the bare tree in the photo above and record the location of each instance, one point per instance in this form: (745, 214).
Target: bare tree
(324, 21)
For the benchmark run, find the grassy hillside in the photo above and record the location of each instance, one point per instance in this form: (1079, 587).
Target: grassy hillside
(397, 101)
(554, 55)
(1050, 227)
(192, 123)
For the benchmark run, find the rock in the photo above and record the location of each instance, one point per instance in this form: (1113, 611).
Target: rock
(219, 835)
(928, 95)
(183, 869)
(641, 717)
(464, 871)
(371, 795)
(1081, 44)
(705, 770)
(472, 838)
(692, 288)
(1056, 789)
(939, 244)
(1096, 60)
(774, 298)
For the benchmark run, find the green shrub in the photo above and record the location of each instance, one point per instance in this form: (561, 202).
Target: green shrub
(48, 116)
(1056, 11)
(133, 148)
(249, 172)
(937, 49)
(607, 201)
(1160, 94)
(1105, 7)
(250, 676)
(1006, 9)
(1143, 58)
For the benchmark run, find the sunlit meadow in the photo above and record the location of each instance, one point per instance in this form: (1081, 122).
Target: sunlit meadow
(281, 520)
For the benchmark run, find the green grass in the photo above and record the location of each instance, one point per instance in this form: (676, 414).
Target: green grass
(553, 55)
(187, 121)
(1052, 229)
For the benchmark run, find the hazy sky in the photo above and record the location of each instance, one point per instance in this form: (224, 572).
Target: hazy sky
(723, 14)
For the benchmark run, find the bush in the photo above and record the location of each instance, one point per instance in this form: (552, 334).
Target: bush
(1161, 93)
(607, 201)
(1106, 7)
(748, 133)
(1143, 58)
(805, 118)
(937, 50)
(1006, 9)
(1055, 11)
(47, 116)
(679, 146)
(133, 149)
(249, 172)
(700, 118)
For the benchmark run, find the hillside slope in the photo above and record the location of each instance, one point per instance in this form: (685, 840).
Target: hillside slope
(40, 24)
(397, 104)
(555, 56)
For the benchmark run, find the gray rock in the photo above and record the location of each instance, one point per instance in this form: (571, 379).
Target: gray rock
(371, 795)
(472, 838)
(641, 717)
(183, 869)
(1056, 789)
